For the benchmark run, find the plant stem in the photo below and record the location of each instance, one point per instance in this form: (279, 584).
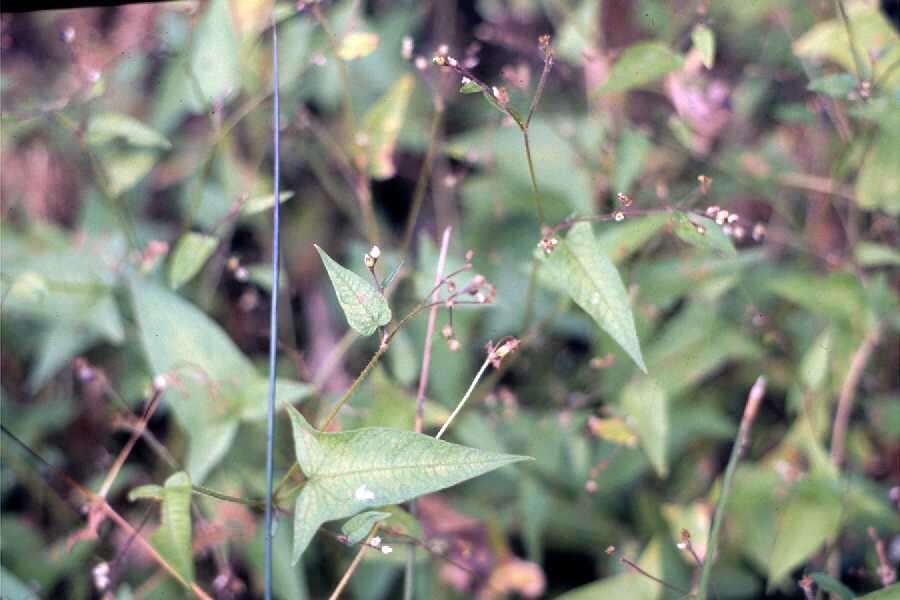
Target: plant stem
(754, 398)
(534, 188)
(424, 176)
(205, 491)
(273, 318)
(848, 395)
(356, 560)
(409, 570)
(462, 402)
(126, 450)
(356, 382)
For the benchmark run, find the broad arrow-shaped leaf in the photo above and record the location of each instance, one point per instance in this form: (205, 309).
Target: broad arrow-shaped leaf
(581, 268)
(352, 471)
(364, 306)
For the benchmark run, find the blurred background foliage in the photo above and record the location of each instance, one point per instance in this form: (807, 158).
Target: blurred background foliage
(136, 191)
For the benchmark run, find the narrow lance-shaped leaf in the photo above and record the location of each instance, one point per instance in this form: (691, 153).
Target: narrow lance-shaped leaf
(704, 41)
(173, 538)
(190, 254)
(702, 232)
(381, 127)
(581, 268)
(364, 306)
(352, 471)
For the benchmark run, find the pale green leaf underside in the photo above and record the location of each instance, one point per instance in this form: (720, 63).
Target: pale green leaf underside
(352, 471)
(580, 267)
(357, 528)
(173, 538)
(364, 306)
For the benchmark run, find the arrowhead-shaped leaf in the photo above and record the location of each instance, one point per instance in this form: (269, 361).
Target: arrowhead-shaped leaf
(353, 471)
(580, 267)
(364, 306)
(173, 538)
(217, 385)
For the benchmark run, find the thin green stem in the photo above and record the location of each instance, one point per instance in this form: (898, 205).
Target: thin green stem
(534, 187)
(484, 366)
(356, 383)
(861, 71)
(204, 491)
(754, 398)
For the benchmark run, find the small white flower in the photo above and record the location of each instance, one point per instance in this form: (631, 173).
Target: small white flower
(101, 576)
(375, 541)
(407, 49)
(160, 382)
(421, 63)
(363, 493)
(386, 549)
(375, 252)
(443, 49)
(681, 546)
(451, 61)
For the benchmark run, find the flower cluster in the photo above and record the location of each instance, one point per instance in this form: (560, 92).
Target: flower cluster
(731, 225)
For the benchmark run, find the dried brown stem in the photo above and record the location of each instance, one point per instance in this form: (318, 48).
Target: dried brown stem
(848, 395)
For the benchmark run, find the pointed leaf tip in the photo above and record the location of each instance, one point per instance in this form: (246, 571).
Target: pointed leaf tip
(364, 306)
(353, 471)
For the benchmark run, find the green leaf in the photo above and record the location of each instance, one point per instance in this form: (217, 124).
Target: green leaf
(214, 62)
(109, 128)
(704, 41)
(173, 538)
(870, 254)
(641, 65)
(580, 267)
(646, 404)
(357, 528)
(352, 471)
(809, 518)
(630, 154)
(873, 34)
(469, 87)
(215, 380)
(262, 203)
(878, 184)
(364, 306)
(125, 148)
(357, 44)
(888, 593)
(702, 232)
(838, 85)
(833, 586)
(190, 254)
(382, 125)
(149, 491)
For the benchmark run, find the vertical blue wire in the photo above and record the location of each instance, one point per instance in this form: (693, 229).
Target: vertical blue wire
(273, 315)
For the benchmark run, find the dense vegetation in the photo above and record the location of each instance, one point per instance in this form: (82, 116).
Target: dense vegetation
(578, 299)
